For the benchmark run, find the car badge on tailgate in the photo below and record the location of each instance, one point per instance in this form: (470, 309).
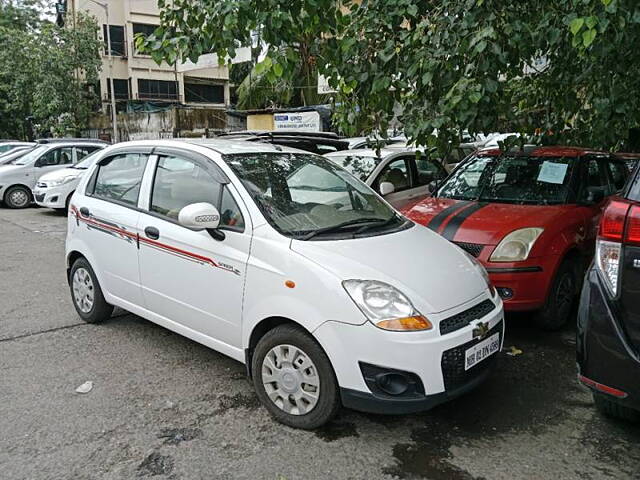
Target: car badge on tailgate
(481, 330)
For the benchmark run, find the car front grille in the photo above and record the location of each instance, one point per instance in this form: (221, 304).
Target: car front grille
(40, 197)
(462, 319)
(453, 361)
(474, 249)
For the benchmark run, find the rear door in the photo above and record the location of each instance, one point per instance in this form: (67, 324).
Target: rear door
(630, 275)
(187, 276)
(109, 211)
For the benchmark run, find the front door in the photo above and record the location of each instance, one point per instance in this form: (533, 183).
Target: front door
(53, 159)
(187, 276)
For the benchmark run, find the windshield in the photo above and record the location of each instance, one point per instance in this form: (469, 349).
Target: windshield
(511, 179)
(32, 155)
(305, 196)
(13, 155)
(357, 165)
(87, 161)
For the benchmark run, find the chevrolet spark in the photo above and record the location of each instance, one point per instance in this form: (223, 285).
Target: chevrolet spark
(326, 302)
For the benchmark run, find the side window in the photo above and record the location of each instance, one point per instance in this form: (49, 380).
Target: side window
(397, 173)
(82, 152)
(595, 177)
(179, 182)
(618, 172)
(118, 178)
(428, 171)
(57, 156)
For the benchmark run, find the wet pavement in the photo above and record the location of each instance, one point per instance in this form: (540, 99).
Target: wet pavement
(165, 407)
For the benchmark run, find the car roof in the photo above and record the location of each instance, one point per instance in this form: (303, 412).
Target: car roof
(71, 140)
(550, 151)
(372, 152)
(221, 146)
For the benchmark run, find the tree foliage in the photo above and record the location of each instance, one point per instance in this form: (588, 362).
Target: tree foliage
(44, 70)
(566, 67)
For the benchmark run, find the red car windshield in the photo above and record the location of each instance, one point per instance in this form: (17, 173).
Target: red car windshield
(511, 179)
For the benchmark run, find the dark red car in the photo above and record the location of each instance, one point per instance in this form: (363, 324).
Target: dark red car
(530, 218)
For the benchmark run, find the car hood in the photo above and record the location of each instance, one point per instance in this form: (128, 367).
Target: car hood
(63, 172)
(433, 273)
(482, 223)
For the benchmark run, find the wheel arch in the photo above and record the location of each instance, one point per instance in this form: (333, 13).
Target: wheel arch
(260, 329)
(27, 187)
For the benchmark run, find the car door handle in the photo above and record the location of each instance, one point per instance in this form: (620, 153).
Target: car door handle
(152, 232)
(84, 211)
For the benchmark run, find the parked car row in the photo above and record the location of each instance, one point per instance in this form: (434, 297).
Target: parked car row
(232, 242)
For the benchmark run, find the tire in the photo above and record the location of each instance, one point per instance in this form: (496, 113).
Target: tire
(612, 409)
(561, 298)
(290, 347)
(17, 197)
(97, 310)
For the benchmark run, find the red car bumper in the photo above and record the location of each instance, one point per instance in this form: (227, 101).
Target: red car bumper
(523, 286)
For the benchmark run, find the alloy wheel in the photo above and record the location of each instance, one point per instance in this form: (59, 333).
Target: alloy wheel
(19, 198)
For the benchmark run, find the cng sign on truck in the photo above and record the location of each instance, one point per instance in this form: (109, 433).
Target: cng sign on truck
(301, 121)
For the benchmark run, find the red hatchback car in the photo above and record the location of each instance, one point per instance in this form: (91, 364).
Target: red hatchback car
(530, 218)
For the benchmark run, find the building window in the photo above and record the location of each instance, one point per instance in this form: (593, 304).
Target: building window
(203, 93)
(118, 47)
(144, 29)
(121, 88)
(157, 89)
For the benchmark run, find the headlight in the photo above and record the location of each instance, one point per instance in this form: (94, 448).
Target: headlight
(516, 246)
(385, 306)
(61, 181)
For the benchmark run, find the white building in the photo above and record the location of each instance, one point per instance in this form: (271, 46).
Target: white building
(137, 76)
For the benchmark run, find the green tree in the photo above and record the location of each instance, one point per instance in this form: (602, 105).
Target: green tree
(44, 71)
(569, 67)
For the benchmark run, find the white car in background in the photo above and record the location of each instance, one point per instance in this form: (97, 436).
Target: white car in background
(54, 189)
(20, 177)
(394, 171)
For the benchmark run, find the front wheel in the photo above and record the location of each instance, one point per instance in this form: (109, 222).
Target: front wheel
(17, 197)
(562, 295)
(294, 379)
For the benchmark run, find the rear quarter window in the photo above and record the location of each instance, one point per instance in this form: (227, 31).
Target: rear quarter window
(634, 189)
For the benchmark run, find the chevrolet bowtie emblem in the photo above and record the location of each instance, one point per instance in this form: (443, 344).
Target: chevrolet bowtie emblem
(481, 330)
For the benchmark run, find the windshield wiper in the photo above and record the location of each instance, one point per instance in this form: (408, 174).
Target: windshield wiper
(380, 223)
(340, 226)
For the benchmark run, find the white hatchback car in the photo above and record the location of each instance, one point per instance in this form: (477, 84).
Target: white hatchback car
(17, 179)
(326, 303)
(54, 189)
(394, 171)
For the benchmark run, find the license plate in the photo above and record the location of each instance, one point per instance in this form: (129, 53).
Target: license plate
(481, 351)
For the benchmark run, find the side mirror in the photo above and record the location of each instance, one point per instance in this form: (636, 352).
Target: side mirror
(199, 216)
(595, 195)
(432, 186)
(386, 188)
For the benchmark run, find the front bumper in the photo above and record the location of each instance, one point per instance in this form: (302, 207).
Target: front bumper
(437, 360)
(604, 354)
(528, 282)
(51, 197)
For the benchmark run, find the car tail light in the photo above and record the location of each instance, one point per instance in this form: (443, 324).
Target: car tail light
(633, 226)
(609, 244)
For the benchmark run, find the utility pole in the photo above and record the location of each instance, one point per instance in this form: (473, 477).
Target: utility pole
(114, 119)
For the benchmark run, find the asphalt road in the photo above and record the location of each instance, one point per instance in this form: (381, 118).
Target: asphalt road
(165, 407)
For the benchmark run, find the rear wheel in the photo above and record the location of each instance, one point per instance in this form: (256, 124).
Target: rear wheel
(86, 293)
(615, 410)
(562, 295)
(294, 379)
(17, 197)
